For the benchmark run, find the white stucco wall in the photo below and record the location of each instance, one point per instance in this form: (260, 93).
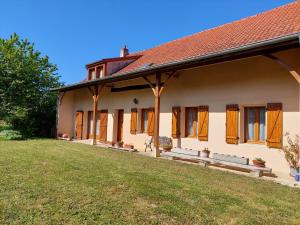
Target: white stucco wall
(66, 113)
(249, 82)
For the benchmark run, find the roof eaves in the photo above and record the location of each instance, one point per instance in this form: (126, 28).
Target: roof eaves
(112, 60)
(146, 71)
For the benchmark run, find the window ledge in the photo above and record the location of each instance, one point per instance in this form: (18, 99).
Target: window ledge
(259, 145)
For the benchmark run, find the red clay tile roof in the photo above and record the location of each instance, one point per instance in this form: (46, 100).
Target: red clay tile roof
(279, 22)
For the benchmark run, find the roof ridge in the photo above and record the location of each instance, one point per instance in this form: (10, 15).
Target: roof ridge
(217, 27)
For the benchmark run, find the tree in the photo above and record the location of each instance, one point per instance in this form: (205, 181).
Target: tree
(26, 80)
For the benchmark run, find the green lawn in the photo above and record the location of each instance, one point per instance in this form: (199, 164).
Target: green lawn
(56, 182)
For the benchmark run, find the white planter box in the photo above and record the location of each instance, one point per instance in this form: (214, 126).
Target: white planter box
(231, 158)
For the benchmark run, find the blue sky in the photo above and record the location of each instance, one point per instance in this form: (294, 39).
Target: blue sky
(74, 33)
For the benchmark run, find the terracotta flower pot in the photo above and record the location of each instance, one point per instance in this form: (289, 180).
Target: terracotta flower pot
(204, 154)
(167, 148)
(294, 171)
(65, 136)
(129, 146)
(259, 163)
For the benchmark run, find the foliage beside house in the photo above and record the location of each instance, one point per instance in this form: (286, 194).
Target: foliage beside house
(26, 80)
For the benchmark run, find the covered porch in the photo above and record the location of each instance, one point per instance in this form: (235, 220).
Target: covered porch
(184, 85)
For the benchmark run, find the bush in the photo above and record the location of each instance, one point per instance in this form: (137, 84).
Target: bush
(26, 79)
(292, 151)
(10, 135)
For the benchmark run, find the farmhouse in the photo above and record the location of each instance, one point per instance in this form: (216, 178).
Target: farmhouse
(233, 89)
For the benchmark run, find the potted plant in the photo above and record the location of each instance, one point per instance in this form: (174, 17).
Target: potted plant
(259, 162)
(292, 154)
(65, 136)
(167, 147)
(205, 153)
(129, 146)
(120, 144)
(297, 177)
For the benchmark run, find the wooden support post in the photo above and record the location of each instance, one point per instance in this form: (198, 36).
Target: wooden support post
(290, 69)
(95, 101)
(61, 96)
(95, 91)
(157, 114)
(286, 66)
(157, 91)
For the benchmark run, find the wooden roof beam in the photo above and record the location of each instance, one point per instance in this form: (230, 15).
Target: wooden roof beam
(286, 66)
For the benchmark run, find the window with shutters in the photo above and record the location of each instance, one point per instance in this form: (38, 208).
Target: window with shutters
(232, 121)
(191, 122)
(255, 125)
(176, 122)
(92, 74)
(147, 121)
(203, 123)
(90, 125)
(150, 127)
(133, 122)
(96, 72)
(99, 72)
(274, 125)
(144, 122)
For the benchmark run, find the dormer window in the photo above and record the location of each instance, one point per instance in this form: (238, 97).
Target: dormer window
(92, 74)
(96, 72)
(107, 67)
(100, 72)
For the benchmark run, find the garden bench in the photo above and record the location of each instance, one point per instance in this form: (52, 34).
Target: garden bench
(194, 156)
(187, 155)
(162, 140)
(254, 170)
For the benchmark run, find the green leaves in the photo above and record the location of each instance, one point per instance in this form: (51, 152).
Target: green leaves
(26, 78)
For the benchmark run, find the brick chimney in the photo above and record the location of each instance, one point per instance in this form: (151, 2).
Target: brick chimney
(124, 51)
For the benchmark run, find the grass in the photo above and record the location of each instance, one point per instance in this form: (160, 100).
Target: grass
(56, 182)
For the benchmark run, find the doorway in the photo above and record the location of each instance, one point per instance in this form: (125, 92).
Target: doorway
(79, 124)
(120, 125)
(103, 125)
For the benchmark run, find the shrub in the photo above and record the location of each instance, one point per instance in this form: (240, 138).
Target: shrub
(4, 126)
(26, 78)
(10, 135)
(292, 151)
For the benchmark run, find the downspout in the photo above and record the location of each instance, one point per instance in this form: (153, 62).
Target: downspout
(299, 96)
(57, 114)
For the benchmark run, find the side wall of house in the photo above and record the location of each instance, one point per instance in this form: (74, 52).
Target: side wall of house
(65, 119)
(250, 82)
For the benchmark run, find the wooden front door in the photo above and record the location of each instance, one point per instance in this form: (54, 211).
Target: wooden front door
(120, 125)
(79, 124)
(103, 125)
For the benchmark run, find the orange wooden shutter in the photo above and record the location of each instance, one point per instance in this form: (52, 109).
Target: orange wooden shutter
(103, 125)
(89, 128)
(274, 125)
(203, 123)
(150, 128)
(133, 124)
(232, 121)
(175, 122)
(79, 124)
